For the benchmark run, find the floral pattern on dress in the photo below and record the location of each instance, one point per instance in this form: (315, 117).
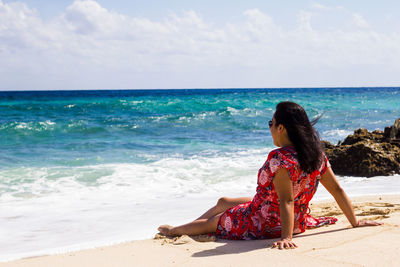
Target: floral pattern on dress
(263, 178)
(260, 218)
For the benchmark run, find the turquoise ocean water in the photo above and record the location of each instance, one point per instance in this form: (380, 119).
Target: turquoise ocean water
(86, 168)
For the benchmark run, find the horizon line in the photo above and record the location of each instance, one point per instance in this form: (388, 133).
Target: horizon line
(202, 88)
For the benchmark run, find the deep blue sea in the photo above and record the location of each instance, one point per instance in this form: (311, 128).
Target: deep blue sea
(87, 168)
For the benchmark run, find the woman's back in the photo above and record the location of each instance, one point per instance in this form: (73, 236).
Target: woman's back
(304, 185)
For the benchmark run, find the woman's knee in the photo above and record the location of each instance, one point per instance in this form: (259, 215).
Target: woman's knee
(223, 201)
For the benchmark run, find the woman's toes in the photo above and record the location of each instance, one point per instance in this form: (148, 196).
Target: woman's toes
(164, 229)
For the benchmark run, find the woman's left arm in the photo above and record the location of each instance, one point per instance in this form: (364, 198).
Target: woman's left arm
(284, 189)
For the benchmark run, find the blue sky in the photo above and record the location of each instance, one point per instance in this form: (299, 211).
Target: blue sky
(87, 44)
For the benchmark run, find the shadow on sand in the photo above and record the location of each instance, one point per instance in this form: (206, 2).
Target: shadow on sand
(241, 246)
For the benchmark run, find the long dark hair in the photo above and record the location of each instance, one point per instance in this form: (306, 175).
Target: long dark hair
(302, 134)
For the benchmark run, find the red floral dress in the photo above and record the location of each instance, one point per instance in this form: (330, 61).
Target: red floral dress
(259, 218)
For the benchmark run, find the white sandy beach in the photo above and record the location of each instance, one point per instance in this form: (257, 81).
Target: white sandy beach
(334, 245)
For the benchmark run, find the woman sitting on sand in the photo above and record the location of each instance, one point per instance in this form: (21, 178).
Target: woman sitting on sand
(286, 183)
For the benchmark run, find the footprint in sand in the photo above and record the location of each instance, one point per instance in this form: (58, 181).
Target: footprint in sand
(374, 211)
(184, 239)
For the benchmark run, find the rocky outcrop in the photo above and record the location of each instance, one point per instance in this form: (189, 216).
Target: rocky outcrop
(366, 153)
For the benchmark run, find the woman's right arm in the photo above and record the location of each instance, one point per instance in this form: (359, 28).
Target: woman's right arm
(328, 180)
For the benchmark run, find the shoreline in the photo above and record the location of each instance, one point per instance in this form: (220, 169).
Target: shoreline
(325, 245)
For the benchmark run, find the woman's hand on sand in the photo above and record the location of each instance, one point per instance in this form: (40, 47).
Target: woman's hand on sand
(367, 223)
(284, 244)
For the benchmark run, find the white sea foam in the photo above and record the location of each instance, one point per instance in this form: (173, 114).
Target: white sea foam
(336, 135)
(135, 102)
(35, 126)
(248, 112)
(56, 209)
(113, 202)
(21, 125)
(361, 186)
(233, 111)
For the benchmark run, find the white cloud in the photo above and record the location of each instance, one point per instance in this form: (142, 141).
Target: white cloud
(89, 46)
(320, 6)
(360, 21)
(304, 20)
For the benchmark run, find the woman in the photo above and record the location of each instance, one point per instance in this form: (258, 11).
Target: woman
(286, 183)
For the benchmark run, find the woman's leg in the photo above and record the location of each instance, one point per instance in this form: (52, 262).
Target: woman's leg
(223, 204)
(206, 223)
(197, 227)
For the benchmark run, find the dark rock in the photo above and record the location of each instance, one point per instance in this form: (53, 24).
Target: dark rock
(366, 153)
(393, 132)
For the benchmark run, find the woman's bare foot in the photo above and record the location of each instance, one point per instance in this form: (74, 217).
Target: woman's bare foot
(165, 229)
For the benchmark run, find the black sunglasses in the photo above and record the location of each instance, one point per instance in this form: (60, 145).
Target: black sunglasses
(270, 123)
